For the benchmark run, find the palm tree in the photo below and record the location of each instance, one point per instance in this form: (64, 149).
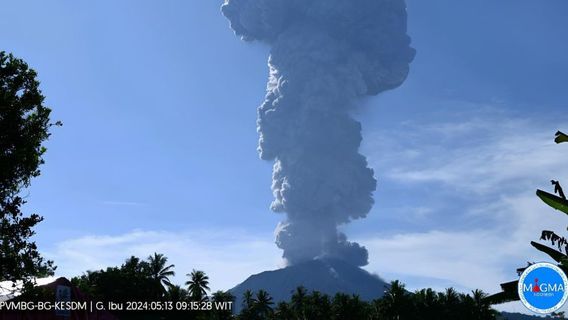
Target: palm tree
(133, 265)
(159, 272)
(263, 304)
(318, 306)
(299, 301)
(451, 302)
(248, 299)
(176, 293)
(283, 311)
(377, 309)
(248, 303)
(482, 308)
(396, 300)
(198, 285)
(222, 297)
(426, 301)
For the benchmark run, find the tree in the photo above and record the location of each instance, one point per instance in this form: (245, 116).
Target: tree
(396, 301)
(263, 305)
(176, 293)
(198, 285)
(299, 300)
(24, 127)
(158, 270)
(318, 306)
(481, 307)
(427, 301)
(129, 282)
(222, 297)
(248, 302)
(560, 254)
(284, 312)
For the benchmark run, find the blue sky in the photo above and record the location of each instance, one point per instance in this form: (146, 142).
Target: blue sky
(158, 147)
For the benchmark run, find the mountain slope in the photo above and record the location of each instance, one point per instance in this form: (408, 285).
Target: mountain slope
(325, 276)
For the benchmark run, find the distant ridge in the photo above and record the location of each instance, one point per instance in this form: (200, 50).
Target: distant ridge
(330, 277)
(326, 276)
(520, 316)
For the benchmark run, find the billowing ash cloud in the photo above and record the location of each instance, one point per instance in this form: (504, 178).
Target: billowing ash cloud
(325, 54)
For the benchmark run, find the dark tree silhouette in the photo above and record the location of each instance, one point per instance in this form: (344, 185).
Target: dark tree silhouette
(263, 304)
(159, 271)
(176, 293)
(221, 297)
(24, 127)
(396, 304)
(198, 285)
(299, 301)
(396, 301)
(133, 281)
(284, 312)
(248, 302)
(129, 282)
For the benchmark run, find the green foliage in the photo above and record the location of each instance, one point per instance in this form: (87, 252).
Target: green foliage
(396, 304)
(24, 127)
(560, 137)
(198, 285)
(553, 201)
(135, 280)
(130, 282)
(554, 254)
(219, 297)
(558, 202)
(159, 272)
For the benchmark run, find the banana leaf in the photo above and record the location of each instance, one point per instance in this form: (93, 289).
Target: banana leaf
(553, 201)
(554, 254)
(561, 137)
(508, 294)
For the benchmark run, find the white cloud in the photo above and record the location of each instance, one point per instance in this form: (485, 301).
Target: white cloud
(227, 256)
(477, 258)
(496, 162)
(481, 153)
(459, 258)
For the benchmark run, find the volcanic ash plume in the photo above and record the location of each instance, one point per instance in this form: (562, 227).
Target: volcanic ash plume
(325, 54)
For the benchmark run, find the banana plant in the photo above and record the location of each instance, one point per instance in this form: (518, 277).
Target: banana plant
(553, 201)
(561, 137)
(559, 202)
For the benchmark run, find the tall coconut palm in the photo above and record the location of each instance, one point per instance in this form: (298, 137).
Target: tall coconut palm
(248, 303)
(396, 300)
(451, 303)
(263, 304)
(248, 299)
(426, 300)
(299, 300)
(158, 270)
(283, 311)
(318, 306)
(482, 308)
(198, 285)
(220, 298)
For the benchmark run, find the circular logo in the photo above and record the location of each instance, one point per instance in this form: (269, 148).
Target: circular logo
(542, 288)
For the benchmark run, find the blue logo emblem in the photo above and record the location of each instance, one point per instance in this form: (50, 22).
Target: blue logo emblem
(542, 288)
